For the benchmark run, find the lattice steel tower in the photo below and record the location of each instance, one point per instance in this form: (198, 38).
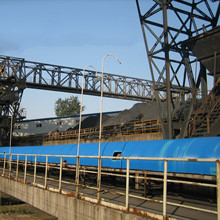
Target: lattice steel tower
(167, 26)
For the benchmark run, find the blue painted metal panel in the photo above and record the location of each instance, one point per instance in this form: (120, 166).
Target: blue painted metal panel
(109, 150)
(89, 150)
(184, 148)
(181, 148)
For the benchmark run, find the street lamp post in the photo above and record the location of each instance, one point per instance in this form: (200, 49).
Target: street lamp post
(79, 132)
(100, 130)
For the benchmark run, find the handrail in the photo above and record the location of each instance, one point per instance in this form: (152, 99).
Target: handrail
(208, 116)
(207, 107)
(131, 128)
(127, 174)
(210, 96)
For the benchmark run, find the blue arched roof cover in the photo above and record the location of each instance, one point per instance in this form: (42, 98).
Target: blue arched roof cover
(180, 148)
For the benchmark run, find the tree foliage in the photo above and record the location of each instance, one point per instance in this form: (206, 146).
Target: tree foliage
(68, 106)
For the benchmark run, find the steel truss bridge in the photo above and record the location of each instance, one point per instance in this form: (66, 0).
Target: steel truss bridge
(68, 79)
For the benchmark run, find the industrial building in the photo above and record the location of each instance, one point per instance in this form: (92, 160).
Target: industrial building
(54, 124)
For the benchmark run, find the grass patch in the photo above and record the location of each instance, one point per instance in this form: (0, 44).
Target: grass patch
(10, 205)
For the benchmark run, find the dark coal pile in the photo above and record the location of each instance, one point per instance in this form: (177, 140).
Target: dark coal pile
(93, 121)
(139, 112)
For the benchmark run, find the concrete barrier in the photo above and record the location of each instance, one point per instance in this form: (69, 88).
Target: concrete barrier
(62, 206)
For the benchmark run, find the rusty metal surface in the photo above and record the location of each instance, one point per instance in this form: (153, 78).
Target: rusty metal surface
(206, 46)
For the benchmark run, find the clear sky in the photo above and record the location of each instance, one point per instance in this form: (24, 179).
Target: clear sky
(74, 33)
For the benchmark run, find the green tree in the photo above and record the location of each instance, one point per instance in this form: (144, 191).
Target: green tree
(67, 106)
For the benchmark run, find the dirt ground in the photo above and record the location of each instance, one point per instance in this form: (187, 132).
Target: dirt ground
(13, 209)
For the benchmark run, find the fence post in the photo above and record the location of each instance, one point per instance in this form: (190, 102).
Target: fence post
(127, 185)
(165, 190)
(17, 167)
(218, 187)
(46, 168)
(4, 164)
(25, 170)
(99, 179)
(10, 159)
(61, 169)
(145, 183)
(77, 177)
(35, 169)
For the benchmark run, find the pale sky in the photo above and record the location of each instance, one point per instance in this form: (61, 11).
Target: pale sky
(74, 33)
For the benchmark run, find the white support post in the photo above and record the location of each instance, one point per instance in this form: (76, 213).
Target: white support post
(137, 181)
(165, 191)
(127, 185)
(60, 178)
(17, 167)
(46, 168)
(10, 159)
(99, 180)
(35, 169)
(77, 177)
(4, 164)
(25, 170)
(145, 183)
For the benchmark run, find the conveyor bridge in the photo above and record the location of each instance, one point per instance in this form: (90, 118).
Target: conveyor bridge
(68, 79)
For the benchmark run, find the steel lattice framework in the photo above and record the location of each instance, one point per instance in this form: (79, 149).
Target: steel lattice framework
(166, 25)
(67, 79)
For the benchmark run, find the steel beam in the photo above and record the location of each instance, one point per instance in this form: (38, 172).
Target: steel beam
(166, 24)
(68, 79)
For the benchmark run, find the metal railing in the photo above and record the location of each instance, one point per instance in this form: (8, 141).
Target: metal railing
(36, 172)
(129, 129)
(207, 111)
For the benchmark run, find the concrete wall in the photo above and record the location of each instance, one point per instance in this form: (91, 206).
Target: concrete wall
(62, 206)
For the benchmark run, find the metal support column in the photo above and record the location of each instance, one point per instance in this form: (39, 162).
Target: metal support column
(77, 176)
(35, 169)
(17, 167)
(99, 180)
(127, 184)
(167, 66)
(165, 191)
(46, 169)
(25, 169)
(60, 177)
